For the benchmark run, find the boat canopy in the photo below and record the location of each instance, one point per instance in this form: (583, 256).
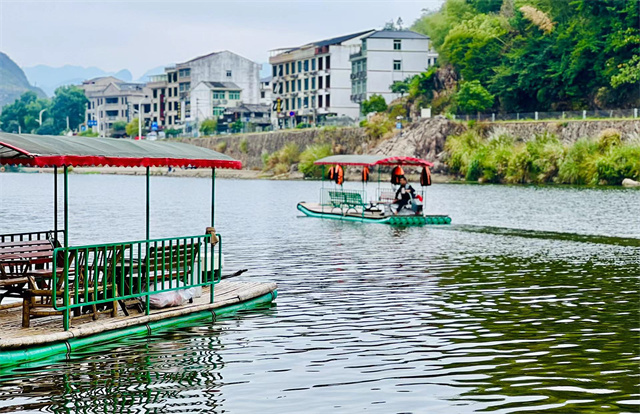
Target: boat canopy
(57, 151)
(370, 160)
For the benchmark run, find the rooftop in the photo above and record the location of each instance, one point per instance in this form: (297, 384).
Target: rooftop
(221, 85)
(396, 34)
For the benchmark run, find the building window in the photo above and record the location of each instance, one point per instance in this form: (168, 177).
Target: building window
(262, 94)
(218, 110)
(299, 103)
(306, 101)
(184, 86)
(274, 71)
(299, 66)
(293, 104)
(320, 82)
(327, 101)
(286, 84)
(293, 68)
(328, 83)
(397, 44)
(313, 101)
(155, 107)
(364, 45)
(286, 104)
(313, 64)
(320, 60)
(397, 65)
(234, 95)
(228, 74)
(155, 91)
(293, 86)
(313, 83)
(218, 94)
(286, 67)
(299, 84)
(183, 73)
(175, 91)
(306, 65)
(306, 84)
(328, 62)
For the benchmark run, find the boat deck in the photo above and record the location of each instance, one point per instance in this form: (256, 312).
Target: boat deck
(49, 329)
(357, 212)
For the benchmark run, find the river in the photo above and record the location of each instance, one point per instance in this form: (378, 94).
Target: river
(528, 302)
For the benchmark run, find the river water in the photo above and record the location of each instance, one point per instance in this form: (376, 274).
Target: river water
(528, 302)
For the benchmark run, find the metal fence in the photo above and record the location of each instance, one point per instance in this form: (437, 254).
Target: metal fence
(559, 115)
(102, 275)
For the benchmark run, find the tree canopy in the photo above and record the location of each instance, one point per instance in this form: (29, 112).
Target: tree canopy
(375, 103)
(542, 54)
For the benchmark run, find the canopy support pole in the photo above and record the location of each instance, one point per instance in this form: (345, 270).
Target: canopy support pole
(55, 202)
(322, 190)
(213, 197)
(66, 207)
(148, 203)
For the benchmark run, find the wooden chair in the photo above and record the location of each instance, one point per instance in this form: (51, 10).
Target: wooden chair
(92, 279)
(13, 278)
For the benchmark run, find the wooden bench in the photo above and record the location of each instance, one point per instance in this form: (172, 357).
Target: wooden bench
(17, 259)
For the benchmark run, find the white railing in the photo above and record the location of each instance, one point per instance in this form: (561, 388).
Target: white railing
(540, 116)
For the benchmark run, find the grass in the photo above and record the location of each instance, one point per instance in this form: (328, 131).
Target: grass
(502, 159)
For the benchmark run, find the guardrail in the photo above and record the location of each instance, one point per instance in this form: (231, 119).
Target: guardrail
(558, 115)
(103, 275)
(35, 235)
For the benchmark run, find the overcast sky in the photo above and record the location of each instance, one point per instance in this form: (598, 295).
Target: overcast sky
(139, 35)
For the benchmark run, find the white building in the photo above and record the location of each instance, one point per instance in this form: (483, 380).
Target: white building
(386, 56)
(312, 81)
(172, 91)
(112, 100)
(212, 99)
(266, 92)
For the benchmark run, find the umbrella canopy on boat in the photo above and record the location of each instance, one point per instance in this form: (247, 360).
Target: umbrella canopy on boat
(370, 160)
(57, 151)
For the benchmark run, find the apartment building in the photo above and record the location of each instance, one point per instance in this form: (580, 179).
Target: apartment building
(172, 91)
(386, 56)
(112, 100)
(266, 92)
(212, 99)
(313, 81)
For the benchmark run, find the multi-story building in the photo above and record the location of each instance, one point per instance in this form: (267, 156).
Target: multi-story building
(222, 66)
(211, 99)
(312, 81)
(386, 56)
(266, 93)
(112, 100)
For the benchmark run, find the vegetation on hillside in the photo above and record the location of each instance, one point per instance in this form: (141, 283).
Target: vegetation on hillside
(24, 113)
(532, 55)
(500, 158)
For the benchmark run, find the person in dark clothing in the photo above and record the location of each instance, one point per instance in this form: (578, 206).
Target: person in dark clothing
(404, 195)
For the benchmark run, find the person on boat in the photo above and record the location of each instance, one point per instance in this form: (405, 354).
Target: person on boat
(404, 195)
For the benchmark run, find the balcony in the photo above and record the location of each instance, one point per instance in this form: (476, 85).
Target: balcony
(358, 97)
(216, 102)
(356, 55)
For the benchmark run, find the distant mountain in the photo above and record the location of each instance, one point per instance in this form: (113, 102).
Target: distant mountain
(13, 81)
(155, 71)
(49, 78)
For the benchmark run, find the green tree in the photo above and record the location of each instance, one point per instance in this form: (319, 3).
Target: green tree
(24, 113)
(375, 103)
(400, 87)
(68, 101)
(473, 97)
(132, 128)
(236, 126)
(119, 128)
(208, 126)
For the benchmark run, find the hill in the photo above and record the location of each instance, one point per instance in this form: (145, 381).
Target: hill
(49, 78)
(13, 81)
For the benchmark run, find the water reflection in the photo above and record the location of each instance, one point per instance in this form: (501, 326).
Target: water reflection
(529, 303)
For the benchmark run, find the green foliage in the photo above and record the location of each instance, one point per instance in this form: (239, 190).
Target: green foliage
(244, 146)
(69, 101)
(400, 87)
(119, 126)
(309, 156)
(540, 55)
(396, 111)
(422, 84)
(236, 126)
(132, 128)
(544, 159)
(209, 126)
(88, 133)
(171, 132)
(286, 156)
(25, 112)
(375, 103)
(302, 125)
(473, 97)
(221, 146)
(378, 126)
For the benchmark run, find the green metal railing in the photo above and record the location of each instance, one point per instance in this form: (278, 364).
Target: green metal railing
(103, 274)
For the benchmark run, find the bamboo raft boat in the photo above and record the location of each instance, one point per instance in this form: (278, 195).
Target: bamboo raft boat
(64, 297)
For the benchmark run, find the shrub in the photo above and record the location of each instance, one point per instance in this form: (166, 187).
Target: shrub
(303, 125)
(280, 168)
(221, 146)
(287, 155)
(309, 156)
(375, 103)
(208, 126)
(244, 146)
(378, 126)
